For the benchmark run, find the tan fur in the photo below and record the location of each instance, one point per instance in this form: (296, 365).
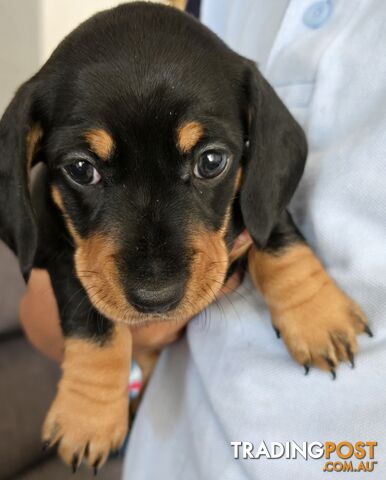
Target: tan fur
(91, 405)
(239, 178)
(224, 227)
(34, 136)
(95, 263)
(228, 213)
(101, 143)
(180, 4)
(188, 135)
(314, 317)
(208, 271)
(58, 200)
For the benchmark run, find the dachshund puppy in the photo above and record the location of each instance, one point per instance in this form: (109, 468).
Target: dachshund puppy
(161, 146)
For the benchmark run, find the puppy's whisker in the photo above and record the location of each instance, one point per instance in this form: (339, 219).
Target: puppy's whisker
(74, 314)
(89, 272)
(218, 304)
(80, 290)
(232, 291)
(227, 297)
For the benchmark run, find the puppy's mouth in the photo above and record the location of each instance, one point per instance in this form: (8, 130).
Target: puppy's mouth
(96, 267)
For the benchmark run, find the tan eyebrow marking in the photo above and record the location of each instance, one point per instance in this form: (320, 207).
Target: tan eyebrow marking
(188, 134)
(58, 200)
(100, 142)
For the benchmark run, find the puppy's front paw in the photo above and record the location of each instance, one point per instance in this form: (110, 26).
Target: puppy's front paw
(321, 330)
(86, 423)
(317, 321)
(89, 416)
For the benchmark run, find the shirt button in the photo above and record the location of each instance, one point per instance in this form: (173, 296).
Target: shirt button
(317, 14)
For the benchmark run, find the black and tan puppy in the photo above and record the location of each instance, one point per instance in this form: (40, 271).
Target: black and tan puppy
(160, 145)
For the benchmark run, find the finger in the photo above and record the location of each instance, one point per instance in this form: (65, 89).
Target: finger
(240, 246)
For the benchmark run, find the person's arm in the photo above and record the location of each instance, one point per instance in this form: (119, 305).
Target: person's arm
(39, 316)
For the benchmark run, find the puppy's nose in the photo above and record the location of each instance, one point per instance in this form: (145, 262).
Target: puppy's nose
(157, 301)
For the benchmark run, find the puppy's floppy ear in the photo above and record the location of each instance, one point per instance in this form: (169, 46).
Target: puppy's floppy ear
(275, 157)
(19, 137)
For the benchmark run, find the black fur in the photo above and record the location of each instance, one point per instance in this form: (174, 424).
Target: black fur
(17, 223)
(138, 71)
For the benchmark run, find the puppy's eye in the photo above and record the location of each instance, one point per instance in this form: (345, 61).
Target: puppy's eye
(83, 172)
(210, 164)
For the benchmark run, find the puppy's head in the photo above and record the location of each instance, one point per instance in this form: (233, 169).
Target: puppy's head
(161, 145)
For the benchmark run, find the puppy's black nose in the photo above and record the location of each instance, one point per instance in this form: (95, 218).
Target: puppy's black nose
(162, 300)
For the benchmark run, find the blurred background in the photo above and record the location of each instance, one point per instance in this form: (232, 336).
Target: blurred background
(29, 32)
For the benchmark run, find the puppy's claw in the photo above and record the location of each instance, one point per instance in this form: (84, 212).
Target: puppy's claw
(46, 445)
(277, 331)
(368, 331)
(352, 361)
(332, 366)
(350, 356)
(75, 463)
(306, 369)
(96, 466)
